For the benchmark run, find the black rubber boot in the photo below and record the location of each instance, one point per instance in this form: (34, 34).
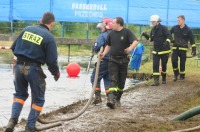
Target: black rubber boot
(182, 76)
(11, 125)
(175, 78)
(163, 78)
(118, 97)
(176, 73)
(111, 101)
(97, 99)
(156, 81)
(27, 129)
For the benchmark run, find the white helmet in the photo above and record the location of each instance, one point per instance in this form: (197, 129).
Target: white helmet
(155, 18)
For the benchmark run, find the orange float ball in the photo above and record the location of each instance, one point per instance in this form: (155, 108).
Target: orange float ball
(73, 69)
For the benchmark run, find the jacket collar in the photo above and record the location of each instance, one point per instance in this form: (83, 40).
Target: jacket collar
(43, 25)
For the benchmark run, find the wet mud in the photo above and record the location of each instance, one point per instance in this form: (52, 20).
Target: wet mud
(144, 109)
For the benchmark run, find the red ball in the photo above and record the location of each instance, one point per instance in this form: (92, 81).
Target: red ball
(73, 69)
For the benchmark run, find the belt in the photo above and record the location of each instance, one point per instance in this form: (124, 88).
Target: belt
(103, 59)
(119, 56)
(179, 48)
(28, 63)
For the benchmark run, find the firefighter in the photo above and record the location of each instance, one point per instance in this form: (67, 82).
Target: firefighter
(161, 38)
(182, 34)
(34, 47)
(120, 42)
(106, 26)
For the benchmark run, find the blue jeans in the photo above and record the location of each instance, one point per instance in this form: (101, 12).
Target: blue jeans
(34, 76)
(103, 74)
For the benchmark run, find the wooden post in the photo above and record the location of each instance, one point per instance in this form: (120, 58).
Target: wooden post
(126, 25)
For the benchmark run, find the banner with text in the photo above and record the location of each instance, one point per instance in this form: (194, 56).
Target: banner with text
(88, 10)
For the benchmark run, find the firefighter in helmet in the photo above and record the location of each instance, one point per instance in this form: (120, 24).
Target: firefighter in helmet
(161, 38)
(105, 25)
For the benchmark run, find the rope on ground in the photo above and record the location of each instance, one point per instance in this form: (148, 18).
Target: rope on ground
(189, 129)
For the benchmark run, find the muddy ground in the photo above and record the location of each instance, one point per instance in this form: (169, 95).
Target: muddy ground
(144, 109)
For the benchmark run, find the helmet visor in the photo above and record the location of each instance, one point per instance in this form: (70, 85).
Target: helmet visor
(153, 23)
(99, 25)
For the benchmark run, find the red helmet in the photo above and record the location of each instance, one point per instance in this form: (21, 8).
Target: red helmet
(107, 22)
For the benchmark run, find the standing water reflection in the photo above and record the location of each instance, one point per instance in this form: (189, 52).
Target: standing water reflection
(61, 93)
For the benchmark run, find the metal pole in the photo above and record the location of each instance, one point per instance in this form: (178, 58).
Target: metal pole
(87, 32)
(167, 12)
(140, 29)
(68, 52)
(127, 12)
(11, 28)
(51, 6)
(63, 30)
(11, 17)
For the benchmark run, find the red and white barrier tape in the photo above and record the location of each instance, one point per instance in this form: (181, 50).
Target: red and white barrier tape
(4, 47)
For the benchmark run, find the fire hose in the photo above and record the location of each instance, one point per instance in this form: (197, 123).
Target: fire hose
(193, 56)
(186, 115)
(92, 55)
(58, 122)
(189, 129)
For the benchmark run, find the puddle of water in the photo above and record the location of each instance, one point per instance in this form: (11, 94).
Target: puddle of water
(61, 93)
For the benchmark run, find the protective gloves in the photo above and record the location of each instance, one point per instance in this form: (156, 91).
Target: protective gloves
(166, 45)
(172, 41)
(146, 35)
(57, 76)
(193, 51)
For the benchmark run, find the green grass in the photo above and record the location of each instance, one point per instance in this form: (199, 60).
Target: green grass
(191, 66)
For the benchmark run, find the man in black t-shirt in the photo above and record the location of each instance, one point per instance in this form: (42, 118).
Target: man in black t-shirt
(119, 42)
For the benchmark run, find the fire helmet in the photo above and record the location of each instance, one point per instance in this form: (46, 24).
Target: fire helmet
(154, 20)
(107, 22)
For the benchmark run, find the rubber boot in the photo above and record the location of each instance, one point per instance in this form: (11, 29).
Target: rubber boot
(32, 118)
(111, 101)
(175, 78)
(156, 81)
(118, 97)
(176, 73)
(182, 76)
(163, 78)
(11, 125)
(27, 129)
(97, 99)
